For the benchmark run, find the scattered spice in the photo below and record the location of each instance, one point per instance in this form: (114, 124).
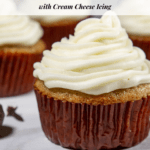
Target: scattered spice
(11, 112)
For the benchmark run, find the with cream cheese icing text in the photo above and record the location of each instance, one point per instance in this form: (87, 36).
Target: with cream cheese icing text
(98, 59)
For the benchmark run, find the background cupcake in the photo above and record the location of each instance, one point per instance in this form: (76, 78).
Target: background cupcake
(20, 47)
(56, 27)
(135, 18)
(92, 89)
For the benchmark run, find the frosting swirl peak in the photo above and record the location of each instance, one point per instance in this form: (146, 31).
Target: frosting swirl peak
(98, 59)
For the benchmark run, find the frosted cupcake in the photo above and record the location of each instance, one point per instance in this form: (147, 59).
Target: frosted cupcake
(20, 47)
(135, 18)
(92, 89)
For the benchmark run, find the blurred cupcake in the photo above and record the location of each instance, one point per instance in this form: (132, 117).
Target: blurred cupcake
(138, 30)
(56, 27)
(135, 18)
(20, 47)
(92, 89)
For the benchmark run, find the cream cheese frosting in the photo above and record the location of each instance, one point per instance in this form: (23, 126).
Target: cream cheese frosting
(17, 29)
(98, 59)
(135, 16)
(136, 24)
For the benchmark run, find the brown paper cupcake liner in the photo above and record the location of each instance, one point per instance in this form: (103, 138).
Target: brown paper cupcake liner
(142, 43)
(83, 126)
(16, 72)
(56, 33)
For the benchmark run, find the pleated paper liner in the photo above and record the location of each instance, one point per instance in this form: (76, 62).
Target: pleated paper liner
(83, 126)
(142, 42)
(16, 72)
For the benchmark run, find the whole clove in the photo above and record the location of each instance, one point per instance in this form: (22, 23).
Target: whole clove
(11, 112)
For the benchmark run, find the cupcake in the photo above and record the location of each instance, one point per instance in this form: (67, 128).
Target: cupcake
(56, 27)
(93, 88)
(135, 18)
(20, 47)
(1, 115)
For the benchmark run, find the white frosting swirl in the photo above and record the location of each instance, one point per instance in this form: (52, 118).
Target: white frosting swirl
(98, 59)
(135, 16)
(19, 30)
(16, 29)
(136, 25)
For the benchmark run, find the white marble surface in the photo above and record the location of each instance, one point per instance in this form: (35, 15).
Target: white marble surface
(28, 135)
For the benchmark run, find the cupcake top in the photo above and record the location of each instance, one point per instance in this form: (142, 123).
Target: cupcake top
(135, 16)
(17, 29)
(98, 59)
(136, 24)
